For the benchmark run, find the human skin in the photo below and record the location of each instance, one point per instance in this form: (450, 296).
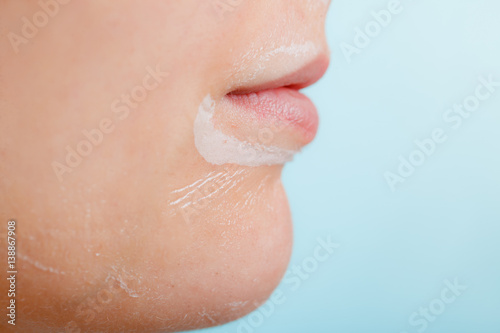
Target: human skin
(142, 234)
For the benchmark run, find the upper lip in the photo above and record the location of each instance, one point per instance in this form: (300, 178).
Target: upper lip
(302, 78)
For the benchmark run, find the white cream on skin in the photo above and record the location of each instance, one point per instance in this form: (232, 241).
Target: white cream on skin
(219, 148)
(255, 67)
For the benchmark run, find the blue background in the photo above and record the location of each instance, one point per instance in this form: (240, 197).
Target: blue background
(442, 223)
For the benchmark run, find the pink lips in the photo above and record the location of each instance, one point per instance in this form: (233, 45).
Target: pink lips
(281, 107)
(280, 101)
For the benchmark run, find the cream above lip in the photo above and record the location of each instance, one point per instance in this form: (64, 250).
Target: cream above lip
(256, 69)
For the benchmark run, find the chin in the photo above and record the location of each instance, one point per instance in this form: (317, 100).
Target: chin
(236, 259)
(232, 256)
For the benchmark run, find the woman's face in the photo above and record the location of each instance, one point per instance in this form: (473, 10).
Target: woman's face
(133, 209)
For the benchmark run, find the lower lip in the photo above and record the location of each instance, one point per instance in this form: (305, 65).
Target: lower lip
(287, 106)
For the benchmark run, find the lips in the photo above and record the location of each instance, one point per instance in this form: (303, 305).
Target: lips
(276, 106)
(262, 118)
